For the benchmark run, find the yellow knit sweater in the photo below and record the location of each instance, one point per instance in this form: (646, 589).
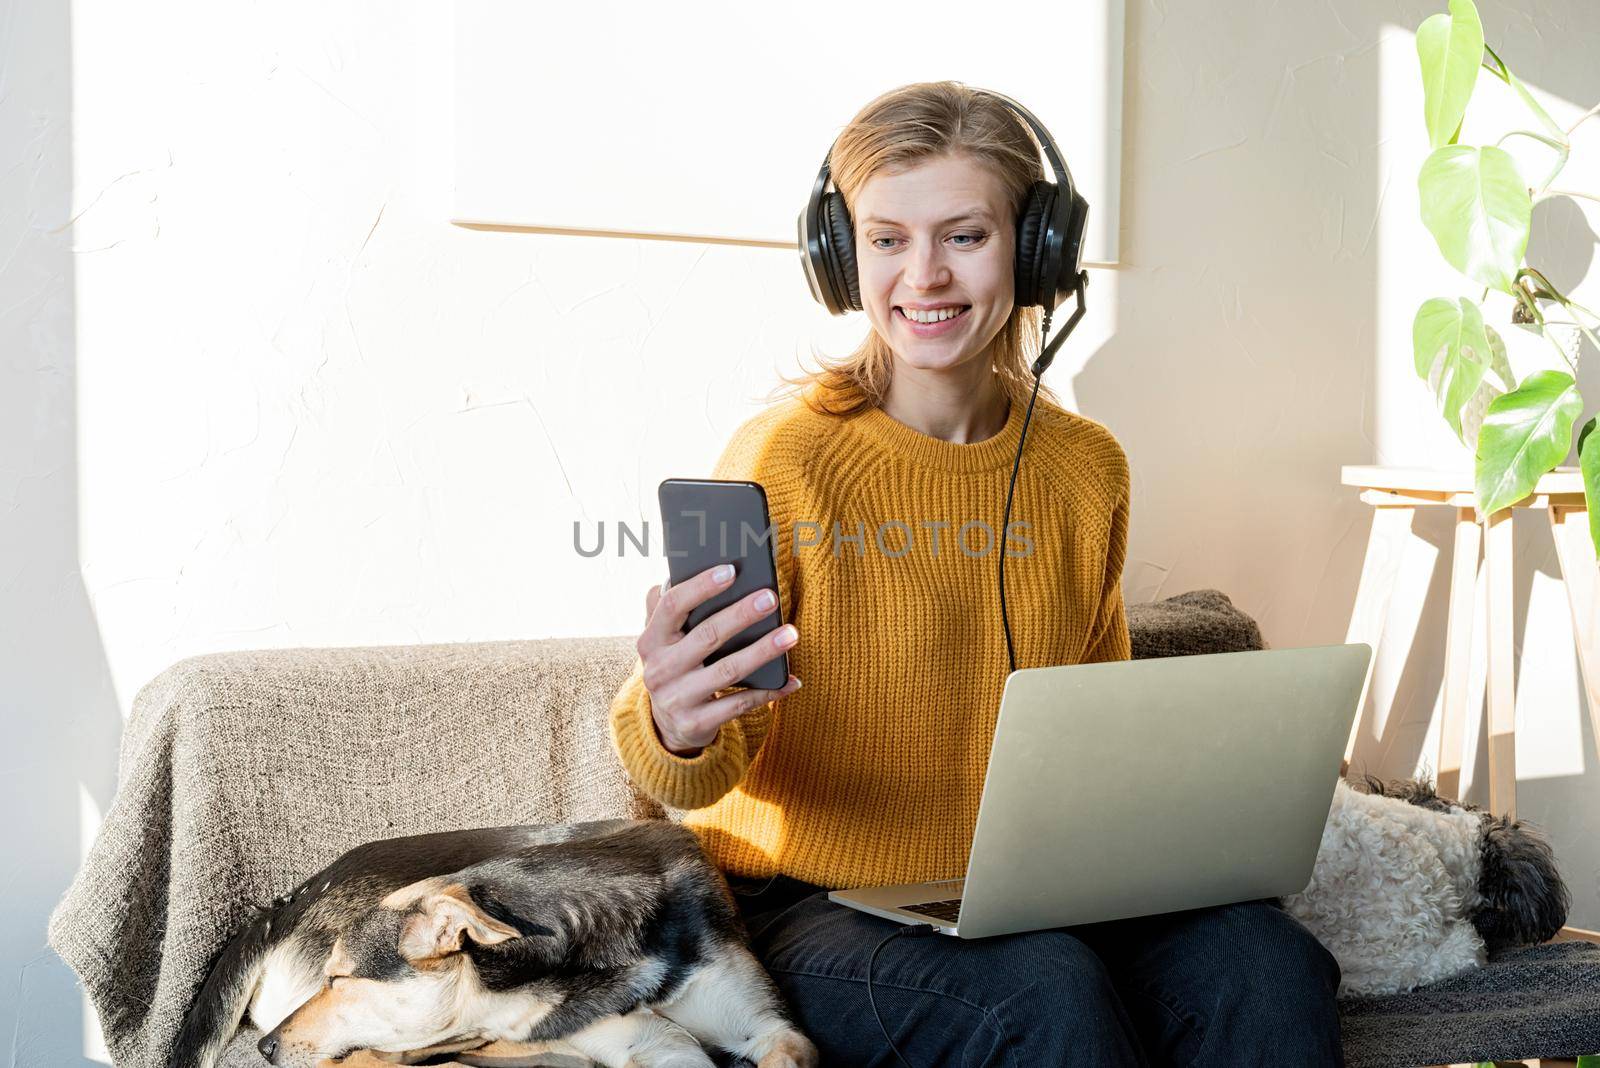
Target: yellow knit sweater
(872, 771)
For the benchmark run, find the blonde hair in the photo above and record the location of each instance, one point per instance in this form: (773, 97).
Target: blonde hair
(903, 128)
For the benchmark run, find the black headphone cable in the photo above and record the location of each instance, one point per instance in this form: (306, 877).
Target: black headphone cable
(1046, 355)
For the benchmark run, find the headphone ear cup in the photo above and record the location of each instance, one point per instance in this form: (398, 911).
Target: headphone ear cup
(842, 267)
(1030, 252)
(1072, 248)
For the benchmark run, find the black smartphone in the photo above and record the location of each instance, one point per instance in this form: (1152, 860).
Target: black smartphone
(706, 522)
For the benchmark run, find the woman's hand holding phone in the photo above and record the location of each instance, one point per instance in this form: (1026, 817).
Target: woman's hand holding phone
(683, 690)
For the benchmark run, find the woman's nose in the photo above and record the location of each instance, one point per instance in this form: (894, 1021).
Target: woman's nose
(926, 270)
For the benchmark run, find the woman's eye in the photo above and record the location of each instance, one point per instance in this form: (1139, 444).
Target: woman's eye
(972, 239)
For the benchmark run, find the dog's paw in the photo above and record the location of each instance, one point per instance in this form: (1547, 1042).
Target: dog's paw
(370, 1058)
(363, 1058)
(790, 1050)
(504, 1054)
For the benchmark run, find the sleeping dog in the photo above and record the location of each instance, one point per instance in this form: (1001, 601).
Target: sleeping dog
(1409, 887)
(615, 940)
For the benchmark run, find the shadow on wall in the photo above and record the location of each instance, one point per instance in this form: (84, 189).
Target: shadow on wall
(59, 716)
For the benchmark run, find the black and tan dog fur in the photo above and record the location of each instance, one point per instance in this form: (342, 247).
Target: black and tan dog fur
(615, 940)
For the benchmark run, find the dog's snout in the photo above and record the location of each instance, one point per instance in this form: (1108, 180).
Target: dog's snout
(269, 1048)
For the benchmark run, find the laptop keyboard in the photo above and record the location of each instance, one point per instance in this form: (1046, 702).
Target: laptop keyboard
(939, 910)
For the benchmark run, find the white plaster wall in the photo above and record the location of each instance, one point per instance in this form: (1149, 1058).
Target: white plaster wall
(254, 392)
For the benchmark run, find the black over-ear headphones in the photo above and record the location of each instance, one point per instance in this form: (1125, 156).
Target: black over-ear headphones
(1049, 241)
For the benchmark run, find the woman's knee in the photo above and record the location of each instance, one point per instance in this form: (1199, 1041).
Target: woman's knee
(1286, 950)
(1279, 999)
(1045, 967)
(1043, 995)
(1236, 984)
(1071, 996)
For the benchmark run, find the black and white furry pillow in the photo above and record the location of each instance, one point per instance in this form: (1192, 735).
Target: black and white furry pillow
(1410, 887)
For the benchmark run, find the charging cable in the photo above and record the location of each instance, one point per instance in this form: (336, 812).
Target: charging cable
(913, 931)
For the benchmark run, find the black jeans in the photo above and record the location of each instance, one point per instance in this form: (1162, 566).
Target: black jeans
(1234, 985)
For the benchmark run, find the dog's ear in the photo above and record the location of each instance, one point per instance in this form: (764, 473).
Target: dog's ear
(338, 962)
(1525, 898)
(442, 919)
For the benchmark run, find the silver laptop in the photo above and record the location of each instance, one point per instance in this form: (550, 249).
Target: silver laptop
(1138, 787)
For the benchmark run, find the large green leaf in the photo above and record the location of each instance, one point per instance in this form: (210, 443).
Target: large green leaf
(1450, 49)
(1451, 352)
(1525, 434)
(1477, 207)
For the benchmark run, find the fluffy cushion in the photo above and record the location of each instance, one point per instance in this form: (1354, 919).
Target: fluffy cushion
(1200, 621)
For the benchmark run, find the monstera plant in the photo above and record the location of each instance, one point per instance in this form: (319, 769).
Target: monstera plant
(1478, 204)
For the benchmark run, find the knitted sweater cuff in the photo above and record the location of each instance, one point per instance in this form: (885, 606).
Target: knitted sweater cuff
(672, 780)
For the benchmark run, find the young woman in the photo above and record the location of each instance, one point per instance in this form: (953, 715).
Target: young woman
(882, 475)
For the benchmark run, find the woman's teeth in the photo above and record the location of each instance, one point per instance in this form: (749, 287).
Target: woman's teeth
(938, 315)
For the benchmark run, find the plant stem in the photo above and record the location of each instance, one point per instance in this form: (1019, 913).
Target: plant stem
(1505, 75)
(1561, 150)
(1555, 345)
(1586, 331)
(1573, 305)
(1551, 141)
(1533, 307)
(1498, 71)
(1561, 298)
(1543, 323)
(1587, 115)
(1566, 193)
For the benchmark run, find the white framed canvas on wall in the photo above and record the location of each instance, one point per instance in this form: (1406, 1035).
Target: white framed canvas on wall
(709, 122)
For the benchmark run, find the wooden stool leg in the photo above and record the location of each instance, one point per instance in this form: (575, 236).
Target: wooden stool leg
(1502, 683)
(1458, 651)
(1386, 545)
(1569, 527)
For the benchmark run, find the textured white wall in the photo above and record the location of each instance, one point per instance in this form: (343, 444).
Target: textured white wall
(254, 392)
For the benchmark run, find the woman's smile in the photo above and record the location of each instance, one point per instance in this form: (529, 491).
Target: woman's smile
(931, 329)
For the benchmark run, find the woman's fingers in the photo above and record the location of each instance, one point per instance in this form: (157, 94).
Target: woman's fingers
(735, 666)
(684, 691)
(716, 630)
(706, 720)
(665, 625)
(652, 597)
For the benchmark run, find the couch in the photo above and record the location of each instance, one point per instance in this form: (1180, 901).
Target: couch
(242, 772)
